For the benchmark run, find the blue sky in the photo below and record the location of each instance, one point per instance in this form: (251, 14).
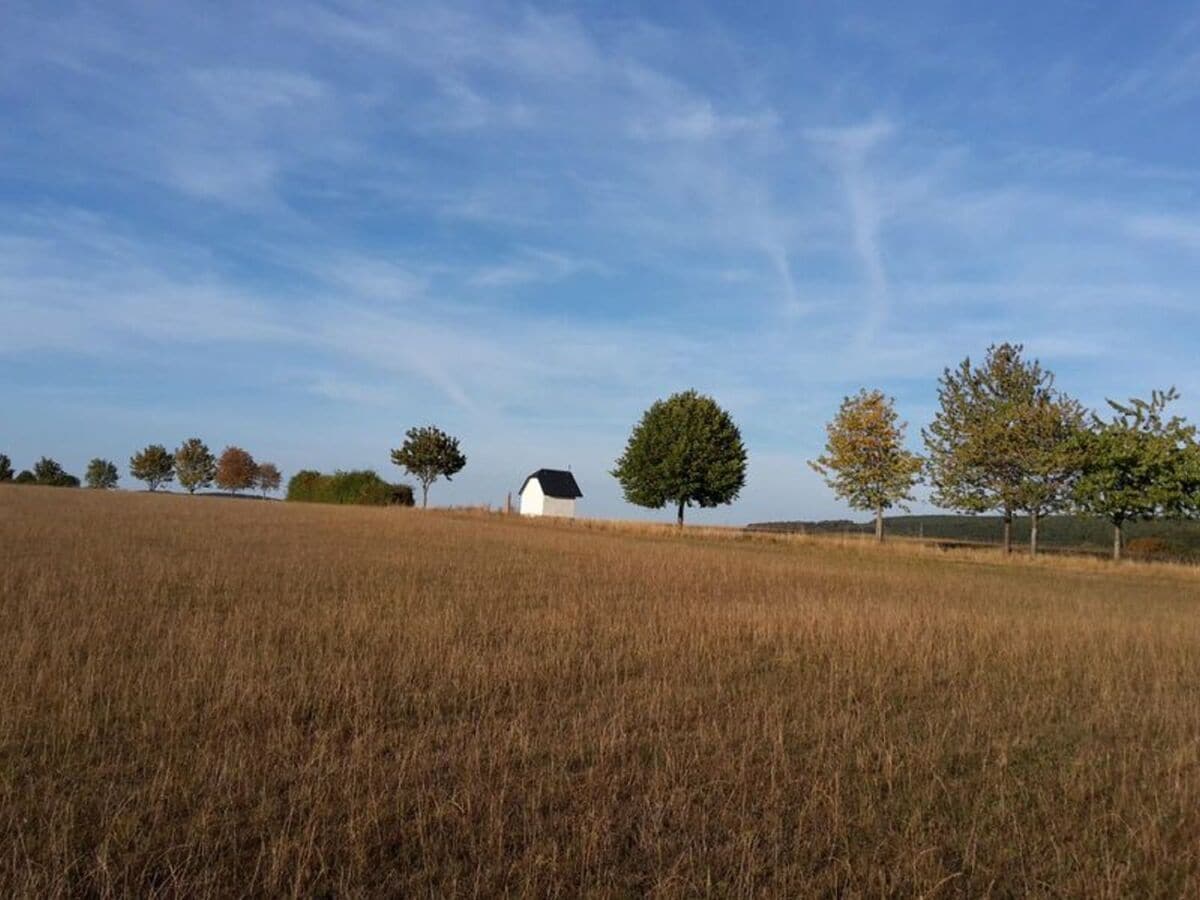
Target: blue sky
(304, 227)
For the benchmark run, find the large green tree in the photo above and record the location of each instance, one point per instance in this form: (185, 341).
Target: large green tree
(428, 454)
(685, 451)
(195, 465)
(6, 469)
(154, 465)
(1138, 465)
(865, 461)
(990, 445)
(101, 474)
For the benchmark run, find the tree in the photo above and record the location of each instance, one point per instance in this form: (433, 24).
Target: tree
(101, 474)
(195, 466)
(865, 461)
(6, 469)
(685, 450)
(236, 470)
(428, 454)
(1138, 465)
(1046, 455)
(982, 451)
(25, 477)
(48, 472)
(153, 465)
(268, 478)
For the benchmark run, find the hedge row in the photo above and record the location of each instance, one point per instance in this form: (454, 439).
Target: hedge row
(364, 488)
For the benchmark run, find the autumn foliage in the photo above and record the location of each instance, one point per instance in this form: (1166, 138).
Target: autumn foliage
(236, 470)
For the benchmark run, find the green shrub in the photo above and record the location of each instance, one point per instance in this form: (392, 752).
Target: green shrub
(48, 472)
(25, 477)
(362, 488)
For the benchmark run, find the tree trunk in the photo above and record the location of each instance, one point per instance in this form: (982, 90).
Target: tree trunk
(679, 517)
(1033, 532)
(1118, 542)
(1008, 531)
(424, 494)
(879, 524)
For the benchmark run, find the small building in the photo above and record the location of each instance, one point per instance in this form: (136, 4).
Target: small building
(550, 492)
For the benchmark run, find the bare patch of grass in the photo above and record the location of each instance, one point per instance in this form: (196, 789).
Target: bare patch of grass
(214, 697)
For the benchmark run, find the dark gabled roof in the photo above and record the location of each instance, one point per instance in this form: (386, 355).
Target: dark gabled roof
(555, 483)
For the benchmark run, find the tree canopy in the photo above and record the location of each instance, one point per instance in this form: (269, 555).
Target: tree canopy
(1138, 465)
(996, 439)
(865, 461)
(153, 465)
(268, 478)
(6, 469)
(101, 474)
(428, 453)
(195, 466)
(47, 471)
(236, 470)
(685, 451)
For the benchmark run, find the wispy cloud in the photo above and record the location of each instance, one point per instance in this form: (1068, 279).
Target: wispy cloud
(531, 266)
(1168, 77)
(529, 224)
(1174, 230)
(849, 150)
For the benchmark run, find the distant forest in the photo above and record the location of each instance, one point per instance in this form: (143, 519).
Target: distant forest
(1178, 540)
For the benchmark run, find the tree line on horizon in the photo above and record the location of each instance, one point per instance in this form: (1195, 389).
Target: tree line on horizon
(1005, 439)
(192, 464)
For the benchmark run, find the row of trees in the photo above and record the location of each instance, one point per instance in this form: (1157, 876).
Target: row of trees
(195, 467)
(192, 464)
(45, 471)
(428, 453)
(1006, 440)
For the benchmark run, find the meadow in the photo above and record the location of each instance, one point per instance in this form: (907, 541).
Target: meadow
(210, 697)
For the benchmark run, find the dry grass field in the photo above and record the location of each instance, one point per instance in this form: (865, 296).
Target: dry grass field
(216, 697)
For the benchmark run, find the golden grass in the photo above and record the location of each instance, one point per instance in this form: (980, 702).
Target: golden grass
(213, 697)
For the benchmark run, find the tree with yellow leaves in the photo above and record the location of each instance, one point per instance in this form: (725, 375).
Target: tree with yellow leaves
(865, 461)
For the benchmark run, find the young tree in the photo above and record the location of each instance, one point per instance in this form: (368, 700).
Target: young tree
(1050, 423)
(979, 444)
(236, 470)
(101, 474)
(195, 466)
(48, 472)
(268, 478)
(427, 454)
(153, 465)
(865, 461)
(1138, 465)
(6, 469)
(685, 450)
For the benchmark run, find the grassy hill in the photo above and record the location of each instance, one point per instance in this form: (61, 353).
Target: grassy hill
(205, 697)
(1173, 540)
